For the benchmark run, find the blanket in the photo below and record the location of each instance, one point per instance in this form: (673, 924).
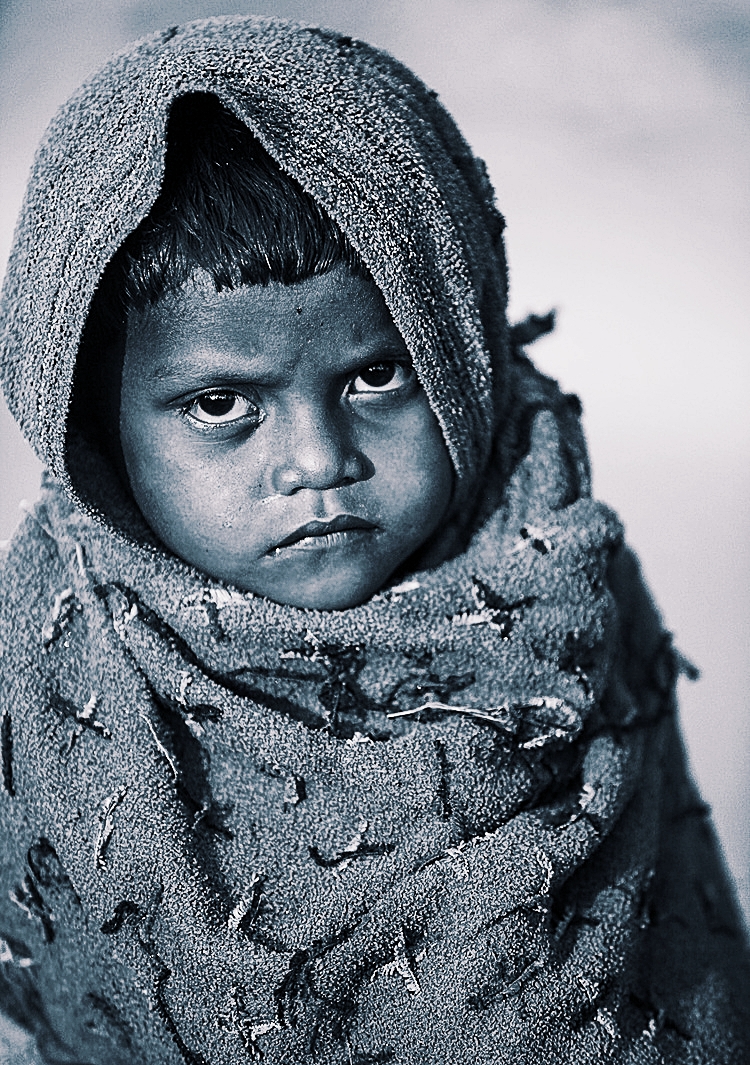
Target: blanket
(451, 824)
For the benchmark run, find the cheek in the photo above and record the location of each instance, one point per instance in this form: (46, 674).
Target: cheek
(184, 495)
(147, 454)
(418, 474)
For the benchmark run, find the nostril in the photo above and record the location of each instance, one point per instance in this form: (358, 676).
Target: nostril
(326, 462)
(358, 468)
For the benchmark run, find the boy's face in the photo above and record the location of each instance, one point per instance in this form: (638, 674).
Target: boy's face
(278, 439)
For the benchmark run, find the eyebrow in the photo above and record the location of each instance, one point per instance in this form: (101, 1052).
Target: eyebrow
(166, 372)
(163, 372)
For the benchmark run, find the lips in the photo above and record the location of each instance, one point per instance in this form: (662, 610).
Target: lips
(323, 533)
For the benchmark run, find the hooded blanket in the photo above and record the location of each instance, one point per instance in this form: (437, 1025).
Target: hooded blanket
(452, 824)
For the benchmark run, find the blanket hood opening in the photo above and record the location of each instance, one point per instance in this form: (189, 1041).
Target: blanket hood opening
(358, 132)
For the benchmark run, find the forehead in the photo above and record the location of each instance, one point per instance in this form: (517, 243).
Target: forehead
(336, 317)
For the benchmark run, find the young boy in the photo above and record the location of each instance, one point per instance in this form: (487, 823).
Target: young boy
(337, 725)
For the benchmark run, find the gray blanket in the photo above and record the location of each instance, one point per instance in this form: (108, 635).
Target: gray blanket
(451, 824)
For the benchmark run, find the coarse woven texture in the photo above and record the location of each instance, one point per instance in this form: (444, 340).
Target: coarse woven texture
(354, 127)
(451, 824)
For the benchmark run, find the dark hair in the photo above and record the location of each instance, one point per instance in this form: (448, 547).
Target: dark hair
(225, 207)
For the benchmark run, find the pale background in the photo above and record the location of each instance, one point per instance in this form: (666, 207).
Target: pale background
(617, 135)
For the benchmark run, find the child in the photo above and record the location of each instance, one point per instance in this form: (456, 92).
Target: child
(337, 725)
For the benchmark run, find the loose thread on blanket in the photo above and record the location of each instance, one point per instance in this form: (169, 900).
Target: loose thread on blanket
(244, 913)
(6, 753)
(503, 716)
(124, 911)
(160, 746)
(356, 848)
(107, 826)
(434, 706)
(85, 719)
(536, 538)
(586, 797)
(507, 989)
(493, 609)
(402, 965)
(455, 854)
(80, 558)
(214, 621)
(64, 606)
(238, 1020)
(295, 790)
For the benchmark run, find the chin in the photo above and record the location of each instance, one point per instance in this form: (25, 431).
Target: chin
(335, 594)
(325, 600)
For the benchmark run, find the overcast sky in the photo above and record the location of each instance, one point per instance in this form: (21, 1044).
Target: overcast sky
(618, 139)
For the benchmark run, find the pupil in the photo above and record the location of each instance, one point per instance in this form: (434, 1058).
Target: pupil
(216, 405)
(379, 375)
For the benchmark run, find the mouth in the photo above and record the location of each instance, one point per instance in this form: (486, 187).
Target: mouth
(322, 535)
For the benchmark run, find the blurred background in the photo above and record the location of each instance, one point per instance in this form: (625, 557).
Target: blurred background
(617, 135)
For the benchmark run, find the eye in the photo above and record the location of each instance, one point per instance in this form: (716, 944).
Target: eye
(386, 376)
(222, 407)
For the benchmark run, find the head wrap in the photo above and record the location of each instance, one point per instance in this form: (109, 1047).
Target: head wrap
(356, 129)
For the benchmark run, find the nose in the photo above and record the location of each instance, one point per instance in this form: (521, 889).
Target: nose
(316, 450)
